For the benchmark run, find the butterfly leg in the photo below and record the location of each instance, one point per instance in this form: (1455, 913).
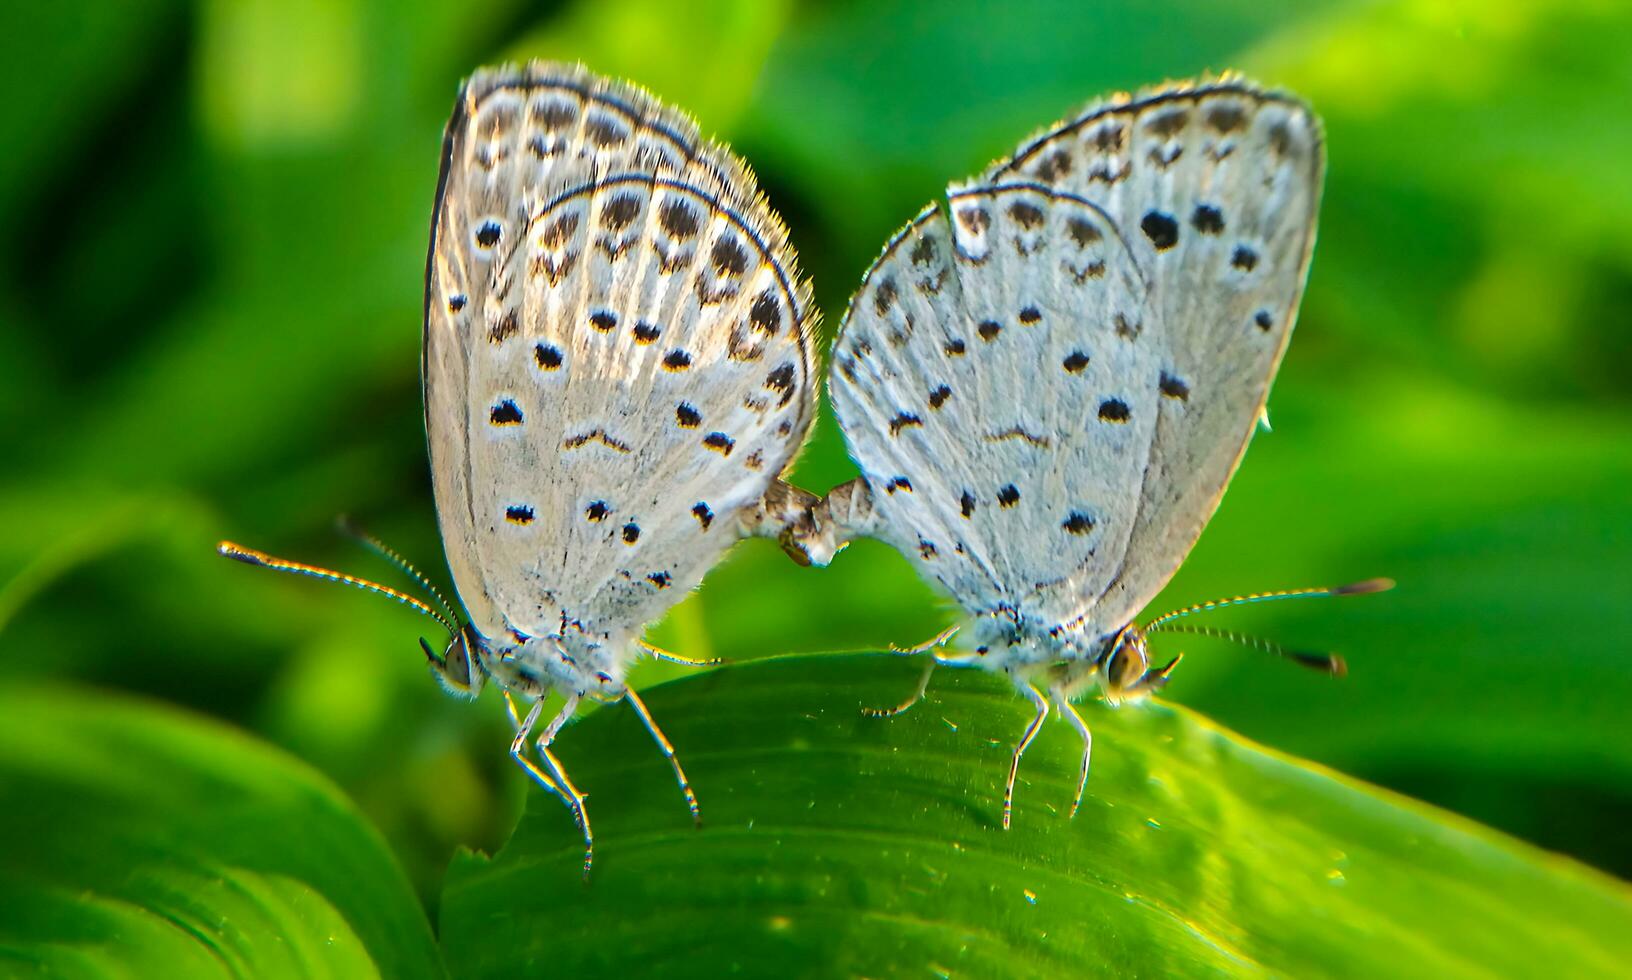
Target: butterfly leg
(917, 695)
(929, 668)
(539, 775)
(1069, 711)
(935, 660)
(674, 658)
(667, 747)
(928, 645)
(1041, 703)
(551, 776)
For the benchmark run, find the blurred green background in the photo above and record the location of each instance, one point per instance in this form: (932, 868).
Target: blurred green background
(213, 219)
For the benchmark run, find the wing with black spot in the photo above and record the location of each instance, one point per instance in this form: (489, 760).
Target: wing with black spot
(1215, 186)
(983, 378)
(616, 351)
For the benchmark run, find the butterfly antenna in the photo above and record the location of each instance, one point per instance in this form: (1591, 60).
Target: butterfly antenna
(351, 530)
(1367, 587)
(261, 559)
(1329, 663)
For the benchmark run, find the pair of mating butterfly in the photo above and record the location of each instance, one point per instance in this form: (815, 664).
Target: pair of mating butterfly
(1047, 380)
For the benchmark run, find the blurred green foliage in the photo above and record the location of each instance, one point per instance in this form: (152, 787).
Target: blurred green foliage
(214, 219)
(145, 843)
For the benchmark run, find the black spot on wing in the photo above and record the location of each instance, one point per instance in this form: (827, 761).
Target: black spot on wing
(884, 296)
(1226, 117)
(1207, 219)
(505, 413)
(1161, 229)
(974, 220)
(678, 219)
(620, 211)
(904, 420)
(1055, 166)
(1027, 216)
(1083, 232)
(507, 326)
(766, 314)
(1078, 523)
(781, 380)
(729, 257)
(1174, 388)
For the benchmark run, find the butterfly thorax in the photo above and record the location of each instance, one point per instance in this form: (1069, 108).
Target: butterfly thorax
(1007, 638)
(574, 662)
(1078, 657)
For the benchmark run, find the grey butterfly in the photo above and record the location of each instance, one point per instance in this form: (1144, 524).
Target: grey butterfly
(616, 368)
(1049, 377)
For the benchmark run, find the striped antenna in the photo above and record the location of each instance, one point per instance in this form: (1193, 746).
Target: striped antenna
(250, 556)
(1329, 663)
(350, 529)
(1370, 585)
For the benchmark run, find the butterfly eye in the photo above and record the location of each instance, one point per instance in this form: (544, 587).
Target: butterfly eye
(456, 669)
(456, 661)
(1127, 665)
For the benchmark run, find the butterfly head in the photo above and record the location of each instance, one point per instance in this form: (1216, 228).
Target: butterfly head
(459, 669)
(1125, 673)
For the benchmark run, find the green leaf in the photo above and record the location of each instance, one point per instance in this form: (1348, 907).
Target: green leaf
(145, 842)
(841, 845)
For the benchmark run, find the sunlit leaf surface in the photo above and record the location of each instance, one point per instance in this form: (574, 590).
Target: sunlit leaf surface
(843, 845)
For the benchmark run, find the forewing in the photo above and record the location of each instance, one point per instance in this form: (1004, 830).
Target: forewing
(616, 355)
(986, 378)
(1216, 188)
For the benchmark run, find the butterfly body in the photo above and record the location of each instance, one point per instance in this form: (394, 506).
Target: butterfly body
(1049, 376)
(616, 367)
(535, 667)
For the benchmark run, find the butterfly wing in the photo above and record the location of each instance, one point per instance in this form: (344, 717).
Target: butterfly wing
(616, 351)
(986, 387)
(1216, 188)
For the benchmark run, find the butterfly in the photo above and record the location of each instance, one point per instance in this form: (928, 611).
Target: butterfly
(617, 368)
(1048, 378)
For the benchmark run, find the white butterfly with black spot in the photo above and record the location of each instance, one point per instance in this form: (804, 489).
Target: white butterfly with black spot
(1048, 378)
(616, 368)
